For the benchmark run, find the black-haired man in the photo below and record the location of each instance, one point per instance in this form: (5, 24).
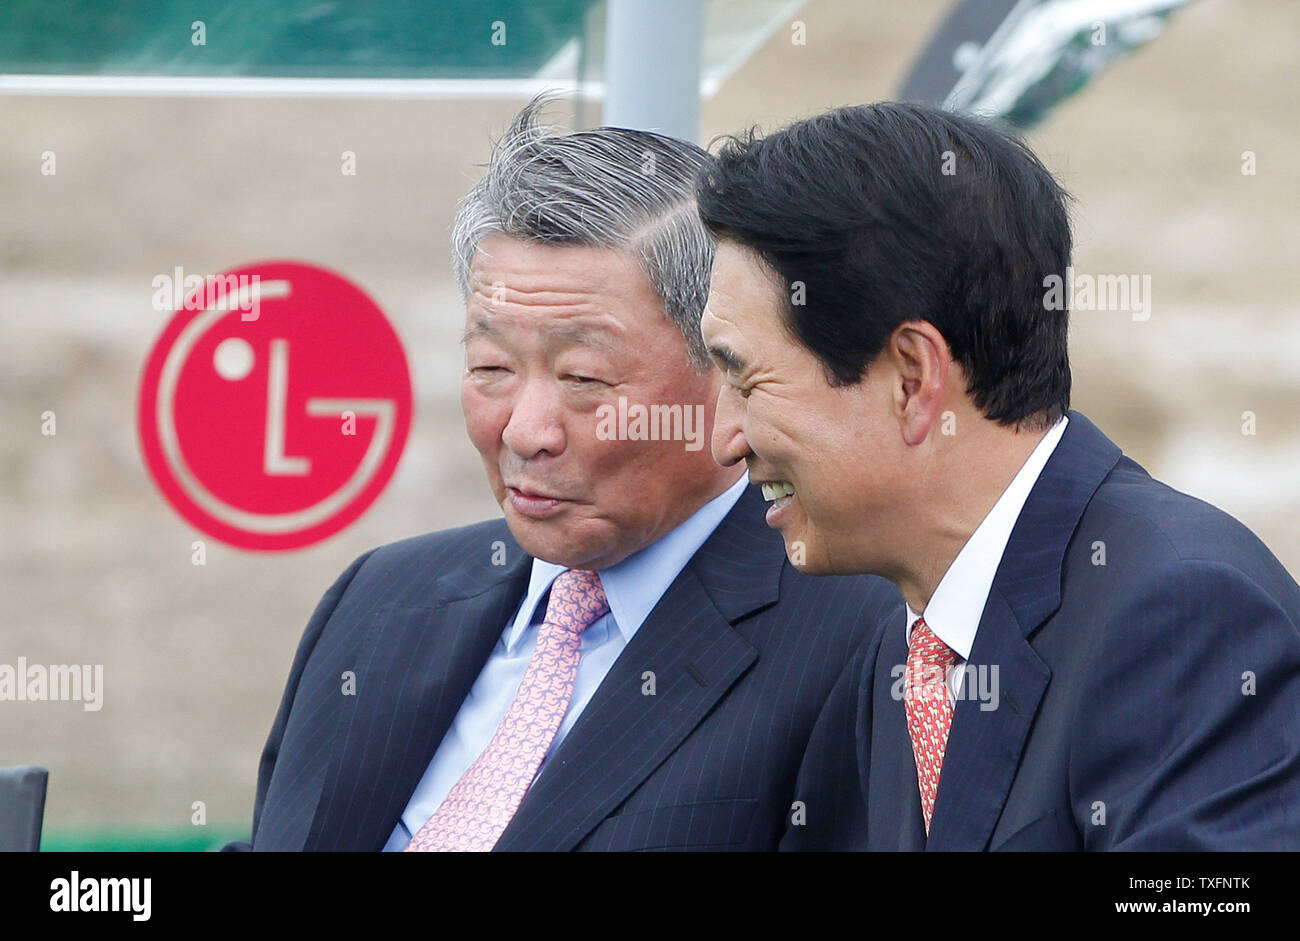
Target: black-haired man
(1088, 659)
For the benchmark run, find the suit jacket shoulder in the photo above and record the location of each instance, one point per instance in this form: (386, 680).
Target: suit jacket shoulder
(1173, 525)
(1171, 620)
(406, 571)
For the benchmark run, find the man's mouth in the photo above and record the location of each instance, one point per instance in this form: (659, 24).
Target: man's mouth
(777, 492)
(534, 504)
(535, 494)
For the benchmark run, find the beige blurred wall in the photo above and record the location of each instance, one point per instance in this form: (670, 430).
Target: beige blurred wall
(96, 567)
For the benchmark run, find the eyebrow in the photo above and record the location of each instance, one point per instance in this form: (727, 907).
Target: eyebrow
(584, 335)
(480, 328)
(580, 335)
(729, 359)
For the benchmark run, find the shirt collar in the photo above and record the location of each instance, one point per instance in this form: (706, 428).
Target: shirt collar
(634, 586)
(957, 604)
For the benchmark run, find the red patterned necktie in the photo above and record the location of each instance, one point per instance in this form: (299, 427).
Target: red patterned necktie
(480, 805)
(929, 711)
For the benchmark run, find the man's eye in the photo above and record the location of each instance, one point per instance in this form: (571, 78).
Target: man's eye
(487, 370)
(581, 380)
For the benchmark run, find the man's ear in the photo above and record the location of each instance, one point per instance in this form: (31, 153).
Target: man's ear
(921, 359)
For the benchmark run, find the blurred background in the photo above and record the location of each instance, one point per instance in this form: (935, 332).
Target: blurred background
(153, 173)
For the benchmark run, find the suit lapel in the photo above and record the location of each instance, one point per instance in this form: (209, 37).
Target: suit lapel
(687, 642)
(894, 820)
(985, 745)
(415, 667)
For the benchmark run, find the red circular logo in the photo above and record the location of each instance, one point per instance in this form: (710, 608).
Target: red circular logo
(275, 405)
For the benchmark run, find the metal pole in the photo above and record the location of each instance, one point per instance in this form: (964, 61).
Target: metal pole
(652, 65)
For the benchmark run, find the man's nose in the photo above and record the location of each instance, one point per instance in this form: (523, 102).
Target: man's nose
(536, 423)
(728, 441)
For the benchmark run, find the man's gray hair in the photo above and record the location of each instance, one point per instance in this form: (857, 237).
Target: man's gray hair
(608, 187)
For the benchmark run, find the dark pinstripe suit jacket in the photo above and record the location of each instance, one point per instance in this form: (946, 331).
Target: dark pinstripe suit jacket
(1148, 654)
(744, 650)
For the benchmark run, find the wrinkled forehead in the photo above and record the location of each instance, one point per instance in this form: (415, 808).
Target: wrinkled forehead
(557, 328)
(534, 267)
(570, 294)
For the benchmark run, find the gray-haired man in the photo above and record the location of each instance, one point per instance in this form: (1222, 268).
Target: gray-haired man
(625, 661)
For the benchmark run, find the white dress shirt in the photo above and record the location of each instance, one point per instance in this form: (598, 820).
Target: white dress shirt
(957, 604)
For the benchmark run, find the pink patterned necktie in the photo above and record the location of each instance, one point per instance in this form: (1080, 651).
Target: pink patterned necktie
(480, 805)
(929, 711)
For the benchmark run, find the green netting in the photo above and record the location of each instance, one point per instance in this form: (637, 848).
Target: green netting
(142, 839)
(287, 38)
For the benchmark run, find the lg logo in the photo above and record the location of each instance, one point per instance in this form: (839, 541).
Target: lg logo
(278, 431)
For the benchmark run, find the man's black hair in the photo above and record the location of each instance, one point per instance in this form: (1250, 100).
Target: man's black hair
(893, 212)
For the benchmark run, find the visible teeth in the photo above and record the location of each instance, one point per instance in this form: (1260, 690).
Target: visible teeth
(777, 490)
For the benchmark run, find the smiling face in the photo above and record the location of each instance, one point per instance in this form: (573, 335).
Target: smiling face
(838, 449)
(552, 334)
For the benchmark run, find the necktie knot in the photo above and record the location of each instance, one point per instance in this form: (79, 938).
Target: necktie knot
(577, 601)
(925, 647)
